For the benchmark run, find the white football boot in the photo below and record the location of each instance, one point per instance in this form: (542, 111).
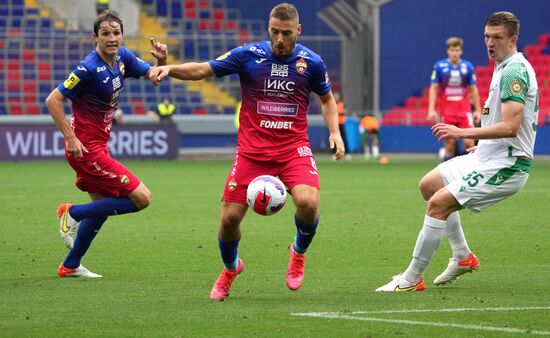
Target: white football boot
(399, 283)
(81, 271)
(457, 268)
(67, 225)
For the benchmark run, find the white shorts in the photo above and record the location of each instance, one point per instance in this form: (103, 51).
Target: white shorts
(477, 185)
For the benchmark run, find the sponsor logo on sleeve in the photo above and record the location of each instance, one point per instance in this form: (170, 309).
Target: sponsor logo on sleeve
(516, 87)
(71, 81)
(121, 68)
(301, 66)
(232, 185)
(433, 74)
(124, 179)
(327, 80)
(223, 56)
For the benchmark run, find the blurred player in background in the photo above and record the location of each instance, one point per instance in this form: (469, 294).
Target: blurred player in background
(342, 115)
(452, 79)
(498, 168)
(369, 128)
(94, 87)
(277, 77)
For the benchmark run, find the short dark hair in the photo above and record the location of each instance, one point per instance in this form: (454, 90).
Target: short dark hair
(284, 12)
(506, 19)
(455, 42)
(108, 15)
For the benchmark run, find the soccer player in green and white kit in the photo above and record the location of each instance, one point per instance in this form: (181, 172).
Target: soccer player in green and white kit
(494, 170)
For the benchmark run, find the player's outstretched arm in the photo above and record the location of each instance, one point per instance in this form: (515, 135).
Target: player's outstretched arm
(54, 102)
(512, 113)
(330, 114)
(184, 71)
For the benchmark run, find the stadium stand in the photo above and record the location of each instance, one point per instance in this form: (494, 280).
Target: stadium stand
(415, 108)
(37, 51)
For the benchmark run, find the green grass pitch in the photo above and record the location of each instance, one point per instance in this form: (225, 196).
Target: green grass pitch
(159, 265)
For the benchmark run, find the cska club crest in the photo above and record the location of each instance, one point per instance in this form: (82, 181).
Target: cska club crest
(232, 185)
(301, 66)
(121, 68)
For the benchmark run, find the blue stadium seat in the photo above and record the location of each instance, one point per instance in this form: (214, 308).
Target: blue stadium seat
(177, 12)
(44, 88)
(45, 23)
(3, 110)
(17, 11)
(184, 110)
(15, 23)
(162, 8)
(32, 11)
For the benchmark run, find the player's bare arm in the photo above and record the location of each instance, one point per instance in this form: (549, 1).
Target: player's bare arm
(474, 94)
(512, 113)
(185, 71)
(432, 114)
(330, 114)
(54, 102)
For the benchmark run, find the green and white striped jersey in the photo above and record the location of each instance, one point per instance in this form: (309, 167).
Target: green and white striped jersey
(513, 79)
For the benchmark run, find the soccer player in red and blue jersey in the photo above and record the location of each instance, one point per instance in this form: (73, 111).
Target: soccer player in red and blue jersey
(94, 87)
(452, 79)
(277, 77)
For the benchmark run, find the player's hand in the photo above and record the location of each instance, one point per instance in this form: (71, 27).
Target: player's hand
(156, 74)
(477, 116)
(159, 52)
(446, 131)
(471, 149)
(337, 144)
(432, 115)
(75, 148)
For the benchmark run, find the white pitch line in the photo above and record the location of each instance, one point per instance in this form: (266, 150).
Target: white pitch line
(413, 322)
(504, 309)
(340, 315)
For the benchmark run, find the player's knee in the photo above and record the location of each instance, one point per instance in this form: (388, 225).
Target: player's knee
(307, 205)
(438, 206)
(230, 220)
(426, 188)
(143, 200)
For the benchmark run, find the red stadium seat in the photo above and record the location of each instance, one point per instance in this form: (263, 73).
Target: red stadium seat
(14, 106)
(219, 14)
(190, 14)
(14, 86)
(204, 4)
(28, 55)
(190, 4)
(32, 109)
(230, 25)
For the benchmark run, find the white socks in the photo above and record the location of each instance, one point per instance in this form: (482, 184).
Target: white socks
(427, 242)
(375, 151)
(456, 237)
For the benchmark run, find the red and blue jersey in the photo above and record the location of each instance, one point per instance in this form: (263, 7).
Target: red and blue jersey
(275, 95)
(454, 83)
(94, 88)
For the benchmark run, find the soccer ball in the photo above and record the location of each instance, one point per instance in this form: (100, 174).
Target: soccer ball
(266, 195)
